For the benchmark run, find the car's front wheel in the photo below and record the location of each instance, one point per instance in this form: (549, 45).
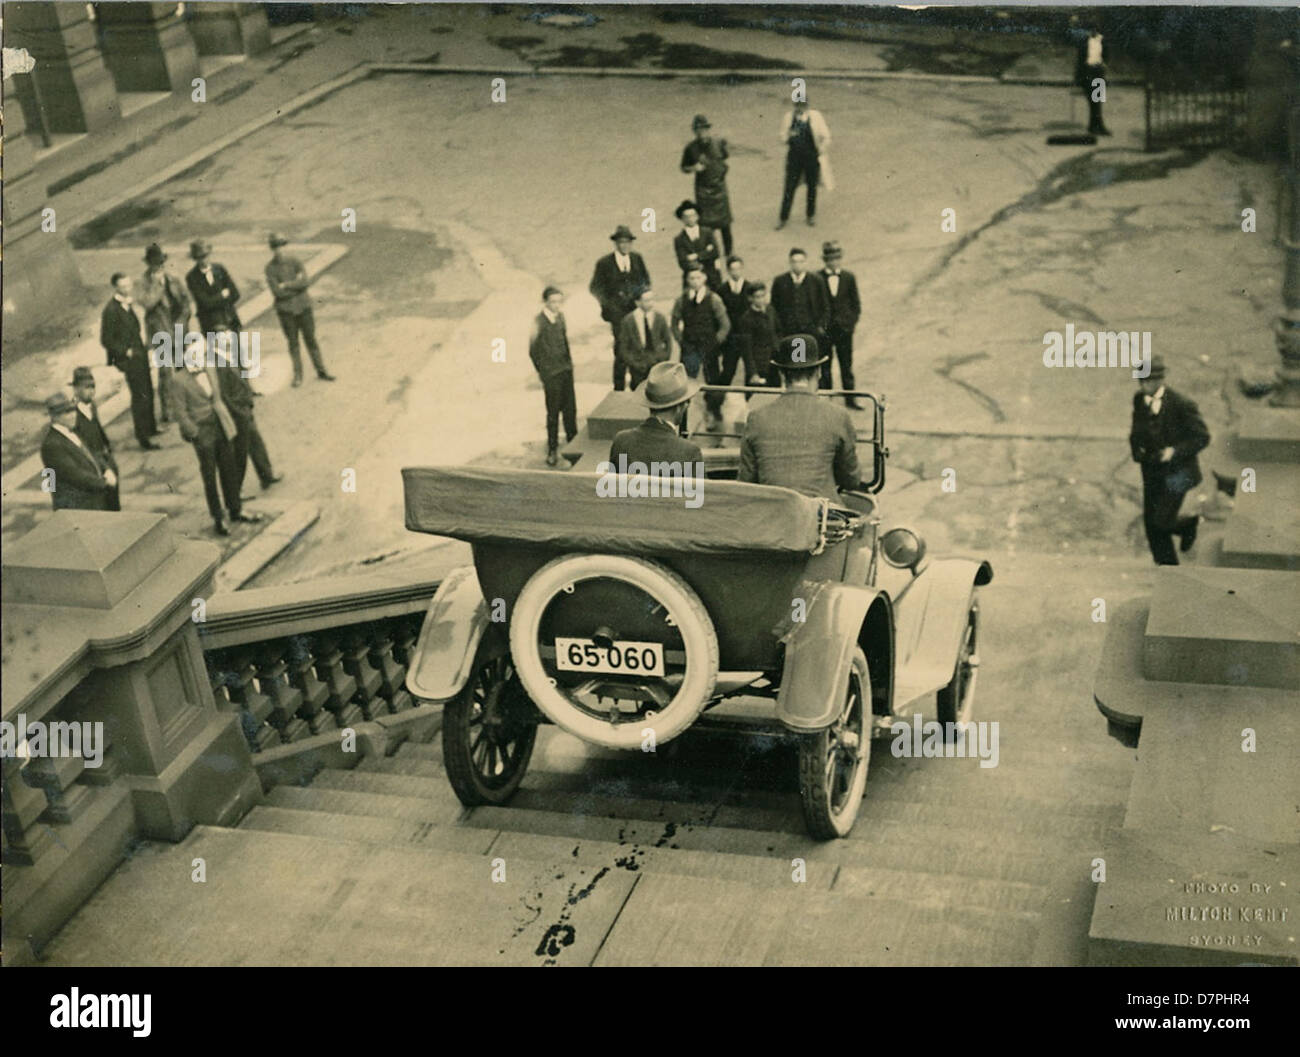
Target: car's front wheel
(833, 762)
(956, 701)
(488, 731)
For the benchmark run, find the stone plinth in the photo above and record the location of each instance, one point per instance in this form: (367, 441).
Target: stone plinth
(1171, 898)
(228, 29)
(1268, 435)
(148, 48)
(1263, 530)
(73, 86)
(1224, 627)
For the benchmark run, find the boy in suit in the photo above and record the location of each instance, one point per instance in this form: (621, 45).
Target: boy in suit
(548, 348)
(615, 283)
(757, 339)
(644, 339)
(1166, 435)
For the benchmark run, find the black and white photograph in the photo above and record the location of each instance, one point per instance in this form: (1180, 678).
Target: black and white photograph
(713, 485)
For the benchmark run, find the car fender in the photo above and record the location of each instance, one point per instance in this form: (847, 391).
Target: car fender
(454, 624)
(930, 616)
(819, 652)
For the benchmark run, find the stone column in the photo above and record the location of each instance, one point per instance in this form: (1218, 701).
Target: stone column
(1286, 328)
(73, 86)
(228, 29)
(148, 47)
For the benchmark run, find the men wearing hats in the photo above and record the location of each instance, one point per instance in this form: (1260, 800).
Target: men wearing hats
(76, 479)
(667, 393)
(288, 282)
(800, 299)
(548, 348)
(247, 442)
(696, 244)
(206, 422)
(1166, 435)
(121, 332)
(701, 325)
(214, 291)
(845, 309)
(617, 281)
(165, 304)
(644, 339)
(706, 157)
(91, 431)
(804, 135)
(800, 441)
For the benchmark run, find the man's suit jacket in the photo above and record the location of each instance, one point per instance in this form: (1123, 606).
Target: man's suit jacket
(756, 338)
(200, 416)
(1179, 426)
(737, 304)
(216, 311)
(235, 391)
(631, 341)
(801, 441)
(164, 301)
(92, 435)
(617, 292)
(78, 479)
(802, 309)
(846, 307)
(121, 332)
(655, 441)
(705, 248)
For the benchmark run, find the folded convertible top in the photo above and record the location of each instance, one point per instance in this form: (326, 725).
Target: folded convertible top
(566, 510)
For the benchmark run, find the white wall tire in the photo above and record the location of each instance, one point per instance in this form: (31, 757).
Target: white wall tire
(688, 616)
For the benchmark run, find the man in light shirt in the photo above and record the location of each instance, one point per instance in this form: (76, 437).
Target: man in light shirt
(805, 136)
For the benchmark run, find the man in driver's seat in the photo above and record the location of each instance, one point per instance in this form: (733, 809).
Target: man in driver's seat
(800, 441)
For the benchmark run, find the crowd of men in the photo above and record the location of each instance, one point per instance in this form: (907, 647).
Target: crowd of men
(208, 394)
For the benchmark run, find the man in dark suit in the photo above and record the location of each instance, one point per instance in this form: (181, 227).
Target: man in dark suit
(548, 348)
(696, 245)
(247, 442)
(1089, 67)
(845, 309)
(701, 327)
(74, 477)
(757, 338)
(667, 393)
(121, 332)
(618, 279)
(800, 299)
(214, 291)
(800, 440)
(91, 431)
(734, 291)
(1167, 433)
(165, 304)
(644, 339)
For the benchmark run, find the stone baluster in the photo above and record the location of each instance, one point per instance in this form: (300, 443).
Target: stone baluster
(254, 708)
(356, 662)
(392, 674)
(286, 700)
(342, 686)
(57, 776)
(27, 837)
(302, 676)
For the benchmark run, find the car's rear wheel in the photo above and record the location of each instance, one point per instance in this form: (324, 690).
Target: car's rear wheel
(648, 635)
(488, 731)
(833, 762)
(956, 701)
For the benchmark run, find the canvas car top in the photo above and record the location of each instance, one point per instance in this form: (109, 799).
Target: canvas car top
(566, 510)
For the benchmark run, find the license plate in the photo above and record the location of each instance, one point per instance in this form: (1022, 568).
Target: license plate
(620, 658)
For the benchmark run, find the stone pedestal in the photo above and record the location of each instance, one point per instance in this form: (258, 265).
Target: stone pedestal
(74, 88)
(228, 29)
(18, 148)
(148, 47)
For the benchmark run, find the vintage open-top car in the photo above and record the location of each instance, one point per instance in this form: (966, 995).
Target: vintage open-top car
(624, 617)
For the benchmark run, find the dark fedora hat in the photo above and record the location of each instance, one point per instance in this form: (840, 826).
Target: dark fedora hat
(1158, 368)
(200, 248)
(82, 374)
(623, 232)
(58, 403)
(831, 249)
(276, 239)
(700, 122)
(686, 204)
(154, 254)
(667, 385)
(798, 351)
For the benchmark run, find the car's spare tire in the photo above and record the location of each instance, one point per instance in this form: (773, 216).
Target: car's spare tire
(612, 647)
